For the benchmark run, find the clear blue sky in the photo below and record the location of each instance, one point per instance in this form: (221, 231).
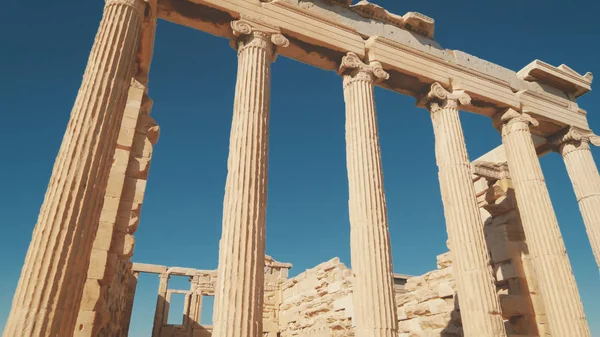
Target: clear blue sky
(44, 47)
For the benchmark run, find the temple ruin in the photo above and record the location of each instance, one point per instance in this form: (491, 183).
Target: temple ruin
(507, 272)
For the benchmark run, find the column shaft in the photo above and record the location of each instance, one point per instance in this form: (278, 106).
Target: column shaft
(161, 302)
(48, 295)
(126, 314)
(479, 305)
(586, 182)
(373, 290)
(240, 281)
(544, 240)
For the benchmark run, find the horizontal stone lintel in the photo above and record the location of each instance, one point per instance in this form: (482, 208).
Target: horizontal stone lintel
(322, 32)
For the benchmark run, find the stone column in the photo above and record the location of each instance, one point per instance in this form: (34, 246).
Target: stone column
(47, 298)
(161, 301)
(574, 146)
(479, 305)
(126, 314)
(373, 292)
(544, 240)
(239, 290)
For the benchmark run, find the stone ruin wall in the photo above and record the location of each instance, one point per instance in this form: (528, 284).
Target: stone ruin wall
(430, 307)
(318, 302)
(105, 293)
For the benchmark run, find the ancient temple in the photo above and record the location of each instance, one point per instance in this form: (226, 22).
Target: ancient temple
(507, 272)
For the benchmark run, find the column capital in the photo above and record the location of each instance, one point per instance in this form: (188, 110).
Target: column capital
(357, 69)
(164, 276)
(251, 33)
(138, 5)
(510, 116)
(575, 137)
(440, 98)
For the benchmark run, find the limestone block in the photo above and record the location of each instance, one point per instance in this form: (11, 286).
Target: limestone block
(515, 305)
(505, 271)
(416, 310)
(438, 321)
(425, 293)
(445, 290)
(437, 276)
(504, 251)
(92, 291)
(402, 299)
(402, 314)
(444, 260)
(410, 325)
(438, 306)
(414, 283)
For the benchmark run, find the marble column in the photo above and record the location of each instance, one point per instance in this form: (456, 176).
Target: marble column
(48, 295)
(126, 313)
(479, 305)
(544, 240)
(373, 292)
(161, 304)
(240, 285)
(574, 146)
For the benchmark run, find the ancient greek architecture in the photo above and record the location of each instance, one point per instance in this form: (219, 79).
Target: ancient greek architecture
(507, 272)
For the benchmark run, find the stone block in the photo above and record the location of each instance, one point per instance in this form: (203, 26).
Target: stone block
(401, 314)
(415, 283)
(515, 305)
(438, 306)
(416, 310)
(438, 321)
(505, 271)
(444, 260)
(402, 299)
(445, 290)
(408, 326)
(425, 294)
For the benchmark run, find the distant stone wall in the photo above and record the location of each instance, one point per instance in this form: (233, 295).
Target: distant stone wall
(318, 302)
(428, 307)
(510, 259)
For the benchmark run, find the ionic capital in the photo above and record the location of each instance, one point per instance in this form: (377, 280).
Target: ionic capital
(249, 33)
(510, 117)
(138, 5)
(353, 66)
(440, 98)
(573, 139)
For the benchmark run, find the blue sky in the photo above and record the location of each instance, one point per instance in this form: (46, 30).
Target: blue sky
(45, 45)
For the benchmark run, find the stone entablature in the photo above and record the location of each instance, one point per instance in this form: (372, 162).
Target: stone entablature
(321, 32)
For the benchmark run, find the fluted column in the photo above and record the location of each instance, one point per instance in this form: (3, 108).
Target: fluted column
(574, 146)
(47, 298)
(161, 301)
(240, 285)
(373, 290)
(544, 240)
(128, 309)
(479, 305)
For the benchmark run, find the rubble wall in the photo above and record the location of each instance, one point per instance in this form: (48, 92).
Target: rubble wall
(318, 302)
(430, 307)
